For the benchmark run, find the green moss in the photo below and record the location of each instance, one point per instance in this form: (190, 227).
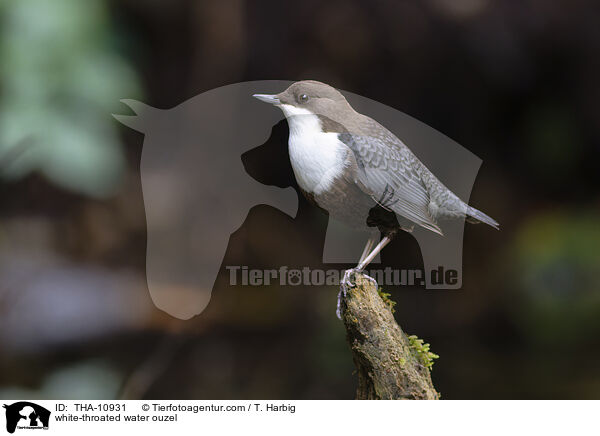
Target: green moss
(386, 299)
(422, 351)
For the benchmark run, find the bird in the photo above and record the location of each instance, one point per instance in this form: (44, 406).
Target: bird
(359, 172)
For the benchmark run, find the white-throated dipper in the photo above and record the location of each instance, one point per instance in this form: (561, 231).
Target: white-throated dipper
(358, 171)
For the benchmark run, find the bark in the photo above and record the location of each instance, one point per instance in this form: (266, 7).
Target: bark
(388, 363)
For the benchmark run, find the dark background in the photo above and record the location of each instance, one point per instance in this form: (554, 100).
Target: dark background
(513, 82)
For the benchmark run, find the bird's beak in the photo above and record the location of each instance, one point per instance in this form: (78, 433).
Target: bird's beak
(267, 98)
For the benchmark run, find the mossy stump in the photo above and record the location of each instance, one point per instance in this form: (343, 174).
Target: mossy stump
(390, 364)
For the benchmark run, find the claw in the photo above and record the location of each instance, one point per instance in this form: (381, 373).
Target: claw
(347, 282)
(338, 309)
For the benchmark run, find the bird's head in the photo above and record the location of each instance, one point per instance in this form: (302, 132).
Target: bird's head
(308, 97)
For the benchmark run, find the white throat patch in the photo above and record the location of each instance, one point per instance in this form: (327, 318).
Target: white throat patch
(317, 158)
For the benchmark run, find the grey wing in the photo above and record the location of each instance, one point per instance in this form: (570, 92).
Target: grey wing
(388, 175)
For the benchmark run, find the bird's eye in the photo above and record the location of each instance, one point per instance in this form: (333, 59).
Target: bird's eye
(303, 98)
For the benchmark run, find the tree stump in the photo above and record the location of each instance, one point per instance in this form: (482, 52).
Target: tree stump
(390, 364)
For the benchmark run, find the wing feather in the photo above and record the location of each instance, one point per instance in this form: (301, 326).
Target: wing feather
(387, 172)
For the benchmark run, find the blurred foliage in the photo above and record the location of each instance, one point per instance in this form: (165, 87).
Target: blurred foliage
(60, 79)
(556, 268)
(87, 380)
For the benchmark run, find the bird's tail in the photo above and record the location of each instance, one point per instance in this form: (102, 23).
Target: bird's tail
(476, 216)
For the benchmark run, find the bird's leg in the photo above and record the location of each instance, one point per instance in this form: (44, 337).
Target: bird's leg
(368, 246)
(367, 260)
(347, 282)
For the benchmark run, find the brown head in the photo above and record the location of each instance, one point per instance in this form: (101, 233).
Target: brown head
(309, 96)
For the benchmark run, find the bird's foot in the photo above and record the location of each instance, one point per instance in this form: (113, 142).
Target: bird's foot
(348, 282)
